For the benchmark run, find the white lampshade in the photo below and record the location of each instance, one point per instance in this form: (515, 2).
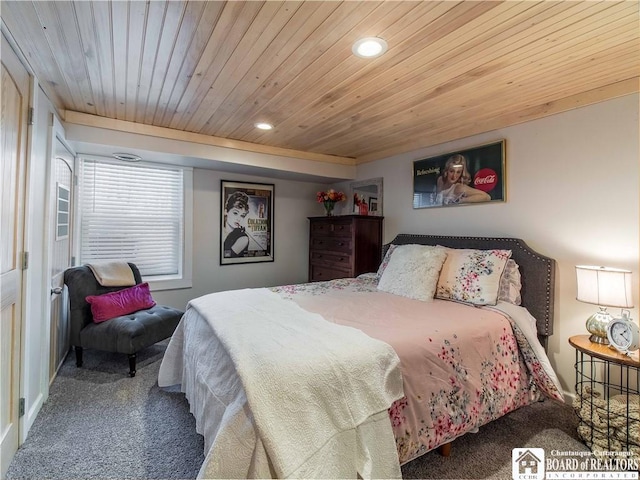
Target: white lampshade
(609, 287)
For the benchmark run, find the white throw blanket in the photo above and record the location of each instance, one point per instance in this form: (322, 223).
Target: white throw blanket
(113, 274)
(310, 384)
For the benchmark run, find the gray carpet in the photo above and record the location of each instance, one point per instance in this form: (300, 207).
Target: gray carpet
(487, 454)
(99, 423)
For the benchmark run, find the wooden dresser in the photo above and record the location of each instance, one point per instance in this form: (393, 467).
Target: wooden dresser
(344, 246)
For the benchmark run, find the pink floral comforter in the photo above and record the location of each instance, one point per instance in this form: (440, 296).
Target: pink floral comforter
(462, 366)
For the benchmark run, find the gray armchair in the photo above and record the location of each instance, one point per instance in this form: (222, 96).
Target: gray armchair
(125, 334)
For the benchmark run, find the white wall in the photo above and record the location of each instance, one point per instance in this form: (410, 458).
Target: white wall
(572, 194)
(104, 141)
(293, 202)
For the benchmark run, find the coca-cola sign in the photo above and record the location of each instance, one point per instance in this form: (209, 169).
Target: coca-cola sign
(485, 179)
(463, 177)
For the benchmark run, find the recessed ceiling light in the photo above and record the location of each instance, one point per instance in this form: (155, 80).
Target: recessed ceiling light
(264, 126)
(127, 157)
(369, 47)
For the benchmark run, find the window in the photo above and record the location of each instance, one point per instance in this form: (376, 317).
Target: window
(140, 213)
(62, 211)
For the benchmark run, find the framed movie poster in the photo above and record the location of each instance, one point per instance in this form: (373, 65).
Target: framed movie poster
(246, 231)
(465, 177)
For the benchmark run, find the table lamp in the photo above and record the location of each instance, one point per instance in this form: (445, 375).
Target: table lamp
(605, 287)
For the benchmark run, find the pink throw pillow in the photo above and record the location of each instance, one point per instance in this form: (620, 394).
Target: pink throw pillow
(123, 302)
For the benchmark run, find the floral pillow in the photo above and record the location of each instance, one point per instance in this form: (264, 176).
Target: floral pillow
(385, 260)
(472, 276)
(510, 284)
(413, 271)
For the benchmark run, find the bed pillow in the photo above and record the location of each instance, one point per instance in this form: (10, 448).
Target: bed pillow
(510, 284)
(413, 271)
(123, 302)
(385, 260)
(472, 276)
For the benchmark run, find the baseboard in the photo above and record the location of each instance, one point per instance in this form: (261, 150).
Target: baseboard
(30, 417)
(569, 397)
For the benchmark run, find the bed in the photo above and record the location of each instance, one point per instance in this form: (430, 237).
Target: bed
(355, 377)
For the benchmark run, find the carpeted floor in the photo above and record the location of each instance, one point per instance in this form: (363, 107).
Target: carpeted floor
(99, 423)
(487, 454)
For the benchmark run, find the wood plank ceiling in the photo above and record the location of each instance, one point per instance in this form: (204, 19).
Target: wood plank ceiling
(453, 69)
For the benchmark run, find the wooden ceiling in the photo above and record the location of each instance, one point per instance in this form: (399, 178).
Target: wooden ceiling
(453, 69)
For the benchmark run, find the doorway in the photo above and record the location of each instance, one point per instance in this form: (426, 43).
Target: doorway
(13, 160)
(60, 242)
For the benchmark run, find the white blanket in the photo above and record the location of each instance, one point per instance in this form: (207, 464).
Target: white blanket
(310, 384)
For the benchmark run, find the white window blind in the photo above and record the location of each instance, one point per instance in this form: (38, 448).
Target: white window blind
(133, 213)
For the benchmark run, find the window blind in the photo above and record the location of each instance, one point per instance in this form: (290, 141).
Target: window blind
(132, 213)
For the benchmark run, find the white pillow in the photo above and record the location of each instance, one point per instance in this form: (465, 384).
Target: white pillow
(413, 271)
(510, 284)
(472, 276)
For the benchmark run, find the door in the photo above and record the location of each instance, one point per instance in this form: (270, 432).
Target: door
(15, 104)
(61, 215)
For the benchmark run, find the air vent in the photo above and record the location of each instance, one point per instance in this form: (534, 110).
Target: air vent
(127, 157)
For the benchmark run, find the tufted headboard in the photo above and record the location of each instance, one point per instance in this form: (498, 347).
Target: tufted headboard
(537, 271)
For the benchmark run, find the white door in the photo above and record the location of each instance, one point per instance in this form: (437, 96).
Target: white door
(15, 104)
(61, 215)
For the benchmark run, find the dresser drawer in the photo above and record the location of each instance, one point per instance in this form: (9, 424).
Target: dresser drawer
(331, 259)
(319, 274)
(330, 228)
(333, 244)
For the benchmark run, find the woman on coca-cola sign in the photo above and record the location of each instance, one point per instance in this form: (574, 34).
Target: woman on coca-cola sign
(453, 184)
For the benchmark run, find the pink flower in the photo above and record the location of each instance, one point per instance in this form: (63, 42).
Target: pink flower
(330, 195)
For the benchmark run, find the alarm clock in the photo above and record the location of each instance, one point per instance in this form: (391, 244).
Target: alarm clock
(623, 333)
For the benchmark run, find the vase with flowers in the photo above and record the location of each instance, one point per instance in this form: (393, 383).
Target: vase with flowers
(329, 200)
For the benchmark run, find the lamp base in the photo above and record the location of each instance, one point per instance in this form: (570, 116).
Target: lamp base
(599, 340)
(597, 326)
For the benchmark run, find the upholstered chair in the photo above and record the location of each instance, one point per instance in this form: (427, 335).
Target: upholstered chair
(126, 334)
